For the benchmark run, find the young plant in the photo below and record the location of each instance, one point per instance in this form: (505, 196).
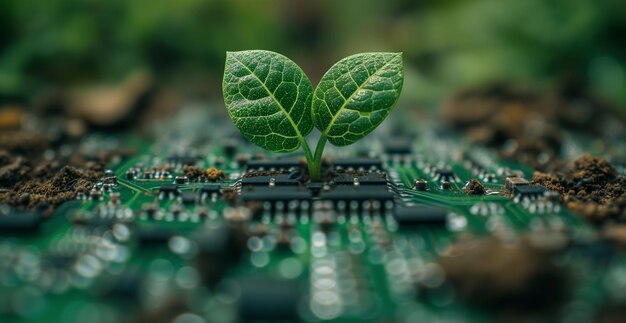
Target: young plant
(272, 102)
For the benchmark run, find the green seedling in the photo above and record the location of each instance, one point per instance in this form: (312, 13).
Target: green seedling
(272, 102)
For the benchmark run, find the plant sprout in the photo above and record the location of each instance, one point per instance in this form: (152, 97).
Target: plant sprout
(272, 102)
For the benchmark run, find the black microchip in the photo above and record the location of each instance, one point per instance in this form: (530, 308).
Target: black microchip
(365, 163)
(157, 236)
(230, 149)
(256, 180)
(268, 299)
(444, 174)
(370, 179)
(421, 215)
(218, 248)
(344, 179)
(125, 286)
(215, 241)
(398, 146)
(529, 190)
(210, 189)
(17, 222)
(184, 160)
(188, 197)
(357, 193)
(285, 163)
(280, 179)
(275, 193)
(315, 187)
(169, 190)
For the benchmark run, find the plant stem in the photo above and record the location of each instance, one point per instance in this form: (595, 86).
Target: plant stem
(316, 164)
(307, 152)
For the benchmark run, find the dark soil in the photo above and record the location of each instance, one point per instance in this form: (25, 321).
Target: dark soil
(28, 180)
(504, 276)
(41, 161)
(525, 125)
(44, 185)
(24, 143)
(214, 174)
(589, 186)
(474, 187)
(195, 173)
(13, 169)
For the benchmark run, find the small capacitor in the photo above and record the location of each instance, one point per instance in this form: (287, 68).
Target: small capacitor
(420, 185)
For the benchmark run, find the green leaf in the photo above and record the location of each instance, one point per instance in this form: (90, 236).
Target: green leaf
(356, 95)
(268, 97)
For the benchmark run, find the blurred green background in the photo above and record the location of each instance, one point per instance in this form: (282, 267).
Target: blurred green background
(447, 44)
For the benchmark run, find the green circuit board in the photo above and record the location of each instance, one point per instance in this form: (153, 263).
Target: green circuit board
(150, 243)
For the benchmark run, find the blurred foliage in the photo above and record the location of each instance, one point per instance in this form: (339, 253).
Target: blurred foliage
(447, 44)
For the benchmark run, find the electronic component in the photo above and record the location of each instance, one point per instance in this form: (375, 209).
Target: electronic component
(60, 260)
(400, 145)
(264, 243)
(357, 193)
(315, 187)
(96, 222)
(273, 164)
(155, 236)
(218, 248)
(209, 192)
(184, 160)
(95, 195)
(445, 175)
(275, 193)
(528, 191)
(230, 148)
(268, 299)
(357, 163)
(17, 222)
(181, 180)
(188, 197)
(279, 180)
(168, 191)
(512, 182)
(110, 180)
(210, 189)
(369, 179)
(420, 215)
(420, 185)
(125, 286)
